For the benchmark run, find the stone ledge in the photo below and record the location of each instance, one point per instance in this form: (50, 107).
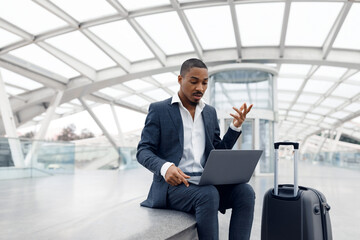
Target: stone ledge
(128, 221)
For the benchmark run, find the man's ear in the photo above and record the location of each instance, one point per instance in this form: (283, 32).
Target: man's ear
(180, 79)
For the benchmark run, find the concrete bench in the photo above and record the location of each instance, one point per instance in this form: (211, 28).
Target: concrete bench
(89, 205)
(129, 221)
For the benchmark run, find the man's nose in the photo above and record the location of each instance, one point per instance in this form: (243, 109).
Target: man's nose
(200, 87)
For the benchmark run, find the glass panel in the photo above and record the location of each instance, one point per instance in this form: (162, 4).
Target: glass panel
(18, 80)
(330, 120)
(13, 90)
(76, 102)
(313, 116)
(40, 57)
(340, 114)
(301, 107)
(60, 110)
(131, 5)
(174, 88)
(266, 137)
(83, 10)
(234, 87)
(51, 157)
(296, 114)
(266, 22)
(321, 110)
(347, 37)
(286, 96)
(289, 83)
(246, 139)
(135, 100)
(167, 31)
(293, 119)
(283, 105)
(307, 98)
(165, 78)
(138, 84)
(218, 20)
(122, 37)
(309, 24)
(317, 86)
(310, 122)
(112, 92)
(346, 90)
(29, 16)
(357, 120)
(80, 47)
(330, 72)
(355, 77)
(354, 107)
(157, 94)
(332, 102)
(299, 69)
(7, 38)
(282, 112)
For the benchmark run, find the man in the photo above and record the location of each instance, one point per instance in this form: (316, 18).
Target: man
(178, 136)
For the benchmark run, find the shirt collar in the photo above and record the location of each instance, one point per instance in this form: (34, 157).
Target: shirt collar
(176, 99)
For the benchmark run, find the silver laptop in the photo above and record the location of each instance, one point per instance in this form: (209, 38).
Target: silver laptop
(229, 166)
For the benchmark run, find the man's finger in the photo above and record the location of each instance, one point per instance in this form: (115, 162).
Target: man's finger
(237, 110)
(249, 108)
(237, 117)
(183, 174)
(182, 179)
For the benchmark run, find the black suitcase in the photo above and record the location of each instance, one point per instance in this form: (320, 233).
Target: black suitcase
(292, 212)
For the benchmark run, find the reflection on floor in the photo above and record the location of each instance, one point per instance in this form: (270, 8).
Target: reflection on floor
(32, 206)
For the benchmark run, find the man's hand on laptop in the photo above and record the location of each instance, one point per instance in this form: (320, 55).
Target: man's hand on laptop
(240, 115)
(174, 176)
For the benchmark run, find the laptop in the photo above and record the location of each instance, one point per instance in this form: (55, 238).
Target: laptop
(229, 166)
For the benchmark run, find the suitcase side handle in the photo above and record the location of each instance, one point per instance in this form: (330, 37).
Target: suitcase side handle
(296, 148)
(295, 144)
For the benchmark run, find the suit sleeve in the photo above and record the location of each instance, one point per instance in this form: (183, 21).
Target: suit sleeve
(149, 143)
(229, 138)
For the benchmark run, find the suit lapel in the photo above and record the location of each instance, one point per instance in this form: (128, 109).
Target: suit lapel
(207, 121)
(175, 115)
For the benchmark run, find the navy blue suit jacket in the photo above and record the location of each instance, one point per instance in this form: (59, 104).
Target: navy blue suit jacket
(162, 140)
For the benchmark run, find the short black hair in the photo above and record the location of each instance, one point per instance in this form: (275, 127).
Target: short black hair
(191, 63)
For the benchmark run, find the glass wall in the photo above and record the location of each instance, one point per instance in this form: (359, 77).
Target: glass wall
(349, 160)
(266, 143)
(234, 85)
(45, 158)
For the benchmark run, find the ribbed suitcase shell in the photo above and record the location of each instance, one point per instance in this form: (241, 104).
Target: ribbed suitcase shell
(286, 217)
(294, 213)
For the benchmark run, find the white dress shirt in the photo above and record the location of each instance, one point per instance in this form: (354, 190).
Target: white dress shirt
(193, 159)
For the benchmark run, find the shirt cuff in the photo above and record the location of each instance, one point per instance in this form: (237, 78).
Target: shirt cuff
(232, 126)
(164, 168)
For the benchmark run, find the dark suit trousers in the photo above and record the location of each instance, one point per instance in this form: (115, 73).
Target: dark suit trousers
(206, 201)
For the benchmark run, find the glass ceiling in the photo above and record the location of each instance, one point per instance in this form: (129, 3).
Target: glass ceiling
(129, 53)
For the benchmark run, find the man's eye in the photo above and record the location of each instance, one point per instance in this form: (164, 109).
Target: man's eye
(193, 82)
(205, 83)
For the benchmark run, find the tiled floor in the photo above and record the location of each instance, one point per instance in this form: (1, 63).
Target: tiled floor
(33, 206)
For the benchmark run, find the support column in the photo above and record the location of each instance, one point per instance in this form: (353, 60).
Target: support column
(10, 127)
(120, 133)
(320, 146)
(106, 133)
(256, 136)
(335, 142)
(31, 157)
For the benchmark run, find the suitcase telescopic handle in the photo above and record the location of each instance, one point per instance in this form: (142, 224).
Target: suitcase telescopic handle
(295, 144)
(296, 148)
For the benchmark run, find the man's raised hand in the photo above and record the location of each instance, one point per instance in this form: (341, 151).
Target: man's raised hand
(240, 115)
